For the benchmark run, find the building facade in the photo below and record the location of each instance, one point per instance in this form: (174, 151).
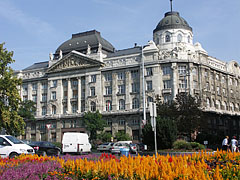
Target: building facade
(86, 73)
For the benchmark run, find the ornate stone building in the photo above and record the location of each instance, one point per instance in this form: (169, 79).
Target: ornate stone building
(86, 73)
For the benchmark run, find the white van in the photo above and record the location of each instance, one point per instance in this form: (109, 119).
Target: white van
(11, 147)
(73, 142)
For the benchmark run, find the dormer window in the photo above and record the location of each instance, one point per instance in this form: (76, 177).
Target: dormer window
(179, 38)
(167, 38)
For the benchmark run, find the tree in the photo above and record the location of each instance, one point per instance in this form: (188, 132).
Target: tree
(27, 110)
(189, 114)
(166, 133)
(10, 99)
(104, 137)
(93, 123)
(121, 136)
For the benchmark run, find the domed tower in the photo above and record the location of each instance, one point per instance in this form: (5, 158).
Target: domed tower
(172, 30)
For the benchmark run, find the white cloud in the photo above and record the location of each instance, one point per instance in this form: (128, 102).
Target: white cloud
(15, 15)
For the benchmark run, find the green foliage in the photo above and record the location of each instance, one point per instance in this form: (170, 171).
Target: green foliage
(104, 137)
(10, 99)
(93, 123)
(121, 136)
(166, 133)
(182, 144)
(58, 144)
(27, 110)
(189, 114)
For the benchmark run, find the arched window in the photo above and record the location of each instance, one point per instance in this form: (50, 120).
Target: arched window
(149, 99)
(93, 106)
(121, 104)
(208, 103)
(44, 110)
(54, 109)
(108, 105)
(135, 103)
(224, 105)
(179, 38)
(168, 37)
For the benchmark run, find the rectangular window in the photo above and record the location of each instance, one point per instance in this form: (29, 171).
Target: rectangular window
(25, 98)
(149, 71)
(74, 108)
(65, 95)
(134, 74)
(65, 83)
(135, 87)
(109, 122)
(182, 84)
(93, 78)
(34, 86)
(53, 95)
(44, 86)
(182, 70)
(224, 91)
(108, 77)
(206, 73)
(149, 85)
(34, 98)
(121, 89)
(92, 91)
(121, 75)
(166, 70)
(44, 97)
(108, 90)
(75, 94)
(121, 122)
(75, 83)
(167, 84)
(54, 83)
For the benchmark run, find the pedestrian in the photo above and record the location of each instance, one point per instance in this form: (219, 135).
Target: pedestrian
(234, 144)
(225, 143)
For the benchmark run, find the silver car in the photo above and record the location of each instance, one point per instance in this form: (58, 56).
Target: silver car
(117, 146)
(105, 147)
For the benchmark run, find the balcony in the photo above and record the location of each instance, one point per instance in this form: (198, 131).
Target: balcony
(167, 91)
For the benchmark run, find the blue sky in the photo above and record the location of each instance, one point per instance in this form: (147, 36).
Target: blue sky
(33, 29)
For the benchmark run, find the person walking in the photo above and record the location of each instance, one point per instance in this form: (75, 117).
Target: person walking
(234, 144)
(225, 143)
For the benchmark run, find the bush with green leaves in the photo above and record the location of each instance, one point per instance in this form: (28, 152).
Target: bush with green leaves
(182, 144)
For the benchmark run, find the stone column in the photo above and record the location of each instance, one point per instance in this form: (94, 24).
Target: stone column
(128, 90)
(39, 95)
(69, 96)
(79, 94)
(59, 92)
(49, 93)
(174, 80)
(29, 91)
(114, 92)
(190, 79)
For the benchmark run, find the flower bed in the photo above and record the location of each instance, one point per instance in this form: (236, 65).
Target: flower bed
(220, 165)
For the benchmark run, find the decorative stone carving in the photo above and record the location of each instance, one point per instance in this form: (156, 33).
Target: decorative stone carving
(50, 56)
(88, 50)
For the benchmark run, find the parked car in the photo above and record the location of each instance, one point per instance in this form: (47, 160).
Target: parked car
(11, 147)
(133, 148)
(45, 148)
(105, 147)
(115, 149)
(141, 147)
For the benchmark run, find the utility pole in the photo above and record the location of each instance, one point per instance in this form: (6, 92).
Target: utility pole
(153, 115)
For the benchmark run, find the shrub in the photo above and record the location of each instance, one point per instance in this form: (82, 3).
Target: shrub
(182, 144)
(197, 146)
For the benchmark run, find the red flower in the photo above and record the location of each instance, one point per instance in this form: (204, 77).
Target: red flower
(170, 159)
